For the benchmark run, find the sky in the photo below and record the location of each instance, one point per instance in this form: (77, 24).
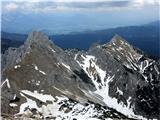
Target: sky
(65, 16)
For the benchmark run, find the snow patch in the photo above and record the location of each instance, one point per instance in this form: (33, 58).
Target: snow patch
(113, 49)
(132, 64)
(120, 48)
(42, 90)
(7, 82)
(66, 66)
(42, 72)
(39, 96)
(36, 68)
(13, 105)
(75, 57)
(119, 91)
(17, 66)
(51, 49)
(14, 97)
(144, 65)
(155, 67)
(28, 104)
(38, 83)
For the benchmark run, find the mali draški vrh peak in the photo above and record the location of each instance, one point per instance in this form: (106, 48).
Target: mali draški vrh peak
(111, 81)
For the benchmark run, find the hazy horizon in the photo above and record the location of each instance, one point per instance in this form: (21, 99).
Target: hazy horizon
(65, 16)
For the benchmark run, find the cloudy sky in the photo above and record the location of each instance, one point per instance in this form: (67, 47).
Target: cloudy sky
(62, 16)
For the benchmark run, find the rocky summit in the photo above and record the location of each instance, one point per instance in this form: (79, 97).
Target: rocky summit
(111, 81)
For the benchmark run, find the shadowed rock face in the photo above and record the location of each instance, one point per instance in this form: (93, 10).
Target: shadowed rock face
(119, 70)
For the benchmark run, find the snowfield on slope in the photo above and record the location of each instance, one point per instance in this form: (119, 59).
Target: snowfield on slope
(89, 61)
(54, 109)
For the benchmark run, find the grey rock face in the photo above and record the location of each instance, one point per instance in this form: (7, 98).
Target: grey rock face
(129, 77)
(136, 75)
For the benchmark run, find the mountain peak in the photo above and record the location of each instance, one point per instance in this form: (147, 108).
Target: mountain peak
(116, 38)
(36, 36)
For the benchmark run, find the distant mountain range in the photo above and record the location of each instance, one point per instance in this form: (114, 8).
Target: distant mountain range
(145, 37)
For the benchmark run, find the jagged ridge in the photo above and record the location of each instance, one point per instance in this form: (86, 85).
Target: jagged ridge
(114, 71)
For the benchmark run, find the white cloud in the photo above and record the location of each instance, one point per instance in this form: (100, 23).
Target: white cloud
(142, 3)
(11, 6)
(75, 5)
